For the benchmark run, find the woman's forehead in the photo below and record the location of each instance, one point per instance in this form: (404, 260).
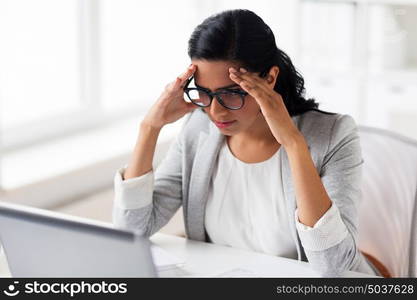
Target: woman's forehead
(213, 74)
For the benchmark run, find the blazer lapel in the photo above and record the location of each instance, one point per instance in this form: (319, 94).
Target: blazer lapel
(207, 151)
(289, 194)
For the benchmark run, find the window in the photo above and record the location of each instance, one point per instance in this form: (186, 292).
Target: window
(144, 46)
(73, 65)
(40, 61)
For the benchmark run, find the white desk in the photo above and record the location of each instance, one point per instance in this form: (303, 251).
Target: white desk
(210, 259)
(205, 259)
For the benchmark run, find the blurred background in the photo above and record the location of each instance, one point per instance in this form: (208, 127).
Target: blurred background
(77, 76)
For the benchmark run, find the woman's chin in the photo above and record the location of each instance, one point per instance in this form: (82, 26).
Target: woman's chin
(228, 131)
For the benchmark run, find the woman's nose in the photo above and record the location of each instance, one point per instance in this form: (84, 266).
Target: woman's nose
(216, 108)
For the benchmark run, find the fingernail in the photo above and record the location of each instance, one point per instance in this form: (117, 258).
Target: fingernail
(243, 70)
(232, 69)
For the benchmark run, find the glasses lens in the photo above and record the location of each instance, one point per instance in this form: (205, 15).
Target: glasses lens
(198, 97)
(232, 100)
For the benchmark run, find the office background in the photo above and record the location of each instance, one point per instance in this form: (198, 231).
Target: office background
(76, 76)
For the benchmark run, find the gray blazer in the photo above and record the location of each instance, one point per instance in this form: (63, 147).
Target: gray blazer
(184, 174)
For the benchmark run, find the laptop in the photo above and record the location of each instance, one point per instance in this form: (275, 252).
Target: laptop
(42, 243)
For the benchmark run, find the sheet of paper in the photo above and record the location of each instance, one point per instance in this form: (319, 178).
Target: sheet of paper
(267, 266)
(238, 272)
(164, 260)
(279, 267)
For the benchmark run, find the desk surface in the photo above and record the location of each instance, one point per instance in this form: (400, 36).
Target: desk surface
(206, 259)
(209, 259)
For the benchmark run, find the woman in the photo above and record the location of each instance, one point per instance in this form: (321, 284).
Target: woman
(257, 166)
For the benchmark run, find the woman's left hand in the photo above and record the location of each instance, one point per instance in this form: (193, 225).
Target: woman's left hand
(271, 104)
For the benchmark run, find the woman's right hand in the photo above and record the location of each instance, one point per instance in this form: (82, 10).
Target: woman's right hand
(171, 105)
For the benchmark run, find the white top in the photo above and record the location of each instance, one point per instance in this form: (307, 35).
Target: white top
(246, 207)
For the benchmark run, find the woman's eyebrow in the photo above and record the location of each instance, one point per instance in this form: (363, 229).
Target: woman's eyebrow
(220, 88)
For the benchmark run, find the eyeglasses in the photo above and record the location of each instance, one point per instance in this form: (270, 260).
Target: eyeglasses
(228, 98)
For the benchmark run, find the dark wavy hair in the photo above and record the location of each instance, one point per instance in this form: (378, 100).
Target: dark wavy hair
(241, 36)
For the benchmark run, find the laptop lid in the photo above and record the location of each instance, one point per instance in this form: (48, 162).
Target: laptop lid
(41, 243)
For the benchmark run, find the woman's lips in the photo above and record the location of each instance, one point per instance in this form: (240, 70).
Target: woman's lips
(224, 124)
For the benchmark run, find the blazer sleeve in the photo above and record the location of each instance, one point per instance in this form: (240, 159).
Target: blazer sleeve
(341, 175)
(146, 203)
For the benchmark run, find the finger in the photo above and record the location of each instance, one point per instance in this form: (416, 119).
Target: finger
(244, 74)
(236, 75)
(261, 96)
(190, 70)
(180, 80)
(252, 89)
(236, 78)
(252, 79)
(250, 84)
(192, 106)
(242, 83)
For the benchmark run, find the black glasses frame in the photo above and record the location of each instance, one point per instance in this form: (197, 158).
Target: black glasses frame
(217, 95)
